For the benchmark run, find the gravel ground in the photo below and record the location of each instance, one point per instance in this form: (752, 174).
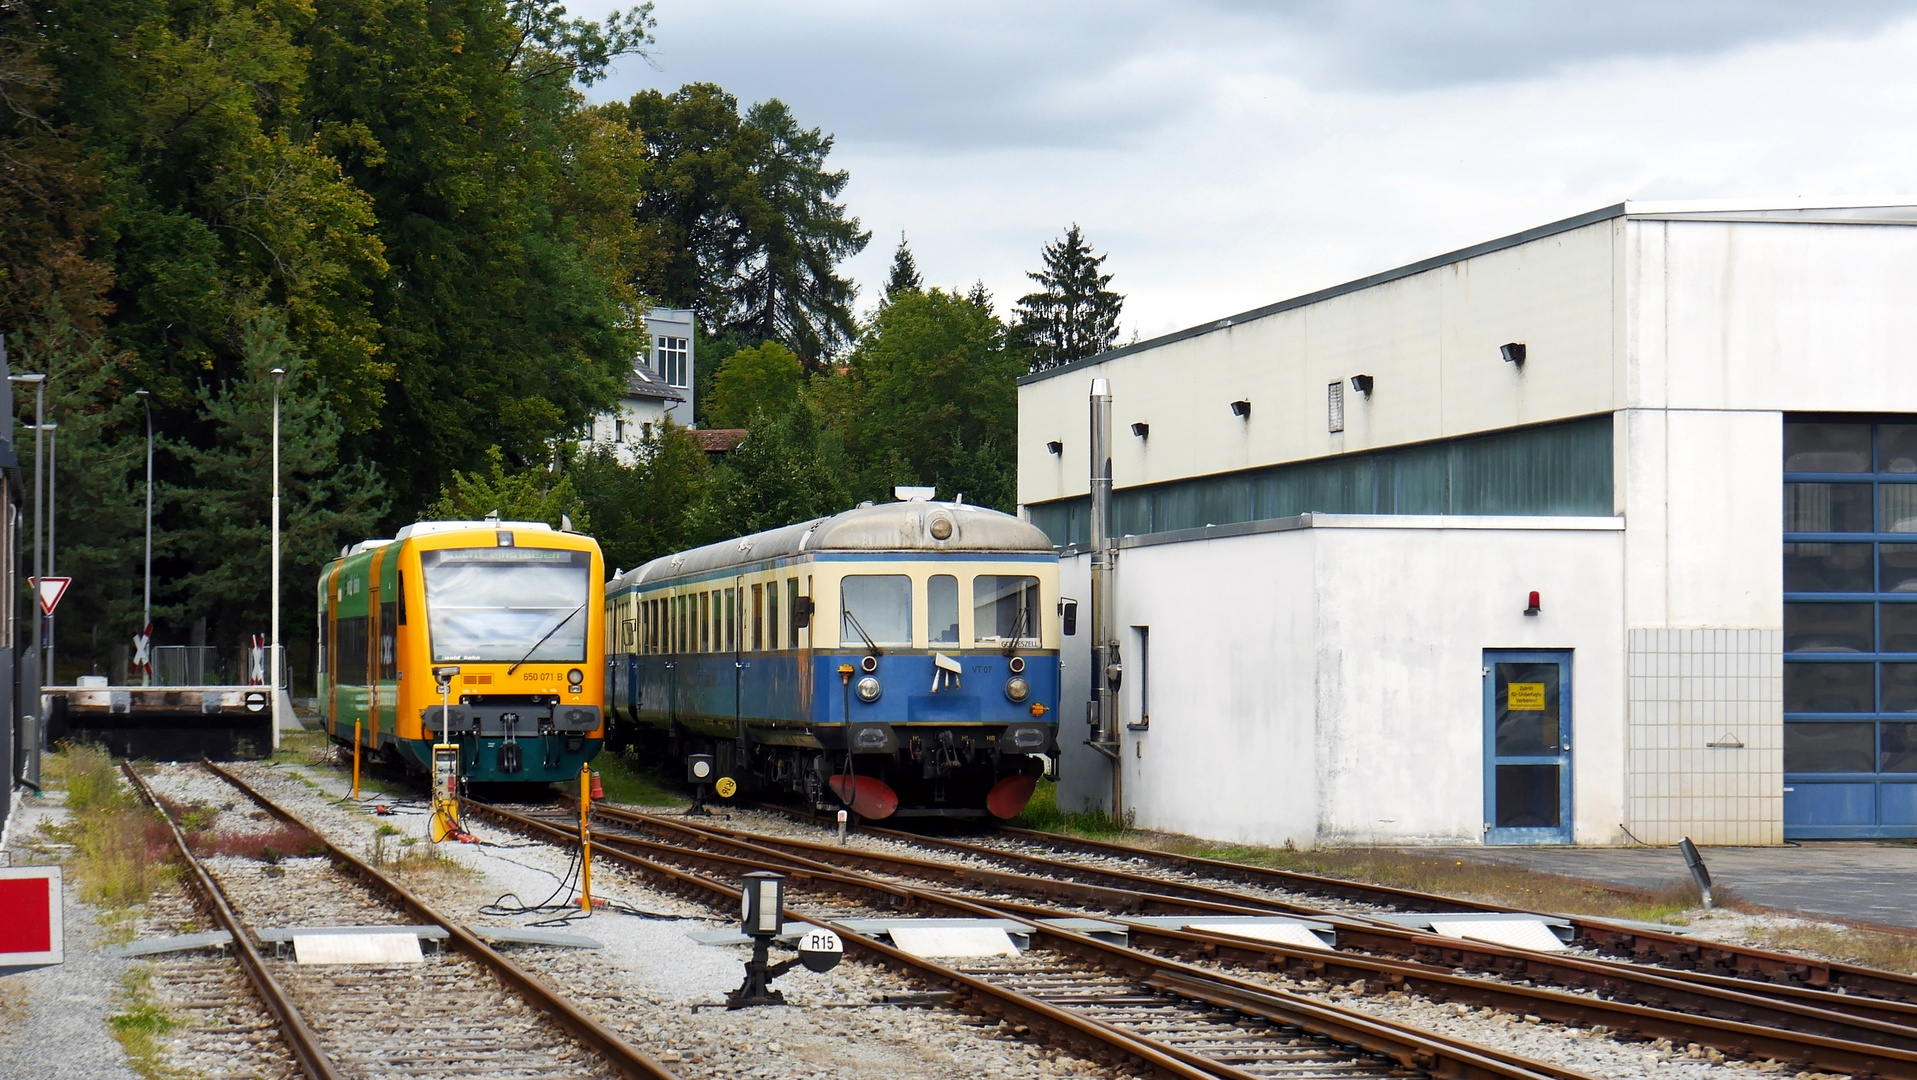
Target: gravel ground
(53, 1020)
(657, 987)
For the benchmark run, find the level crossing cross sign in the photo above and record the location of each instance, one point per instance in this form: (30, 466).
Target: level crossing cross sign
(51, 589)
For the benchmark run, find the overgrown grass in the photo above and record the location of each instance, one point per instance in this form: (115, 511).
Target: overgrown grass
(630, 782)
(1871, 948)
(140, 1026)
(1043, 813)
(121, 850)
(402, 855)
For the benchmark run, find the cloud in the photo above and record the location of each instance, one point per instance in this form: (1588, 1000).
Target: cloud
(1231, 154)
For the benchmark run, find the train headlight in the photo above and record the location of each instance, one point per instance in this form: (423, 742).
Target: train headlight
(1017, 664)
(1017, 688)
(575, 677)
(868, 689)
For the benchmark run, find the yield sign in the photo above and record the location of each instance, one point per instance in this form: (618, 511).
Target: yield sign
(51, 589)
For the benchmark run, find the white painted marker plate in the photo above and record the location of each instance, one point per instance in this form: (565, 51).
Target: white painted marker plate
(1516, 933)
(357, 949)
(1276, 933)
(948, 941)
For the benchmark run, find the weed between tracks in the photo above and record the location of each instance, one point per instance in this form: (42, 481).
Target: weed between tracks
(121, 852)
(1871, 948)
(139, 1027)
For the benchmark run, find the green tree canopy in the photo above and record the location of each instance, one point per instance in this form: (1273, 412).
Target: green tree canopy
(764, 378)
(929, 396)
(785, 471)
(742, 219)
(534, 493)
(219, 537)
(642, 511)
(1072, 315)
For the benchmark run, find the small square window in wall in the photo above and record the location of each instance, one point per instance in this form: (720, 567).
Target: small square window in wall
(1335, 406)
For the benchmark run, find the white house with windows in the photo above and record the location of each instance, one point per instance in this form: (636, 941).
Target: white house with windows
(660, 386)
(1603, 531)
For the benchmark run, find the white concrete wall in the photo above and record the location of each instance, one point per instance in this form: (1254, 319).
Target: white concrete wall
(1430, 340)
(1324, 684)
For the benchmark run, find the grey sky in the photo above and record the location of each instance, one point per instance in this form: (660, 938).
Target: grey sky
(1228, 154)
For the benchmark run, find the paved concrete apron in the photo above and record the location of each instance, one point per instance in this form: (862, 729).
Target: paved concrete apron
(1860, 881)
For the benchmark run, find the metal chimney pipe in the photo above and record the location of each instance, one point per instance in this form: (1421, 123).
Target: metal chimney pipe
(1105, 664)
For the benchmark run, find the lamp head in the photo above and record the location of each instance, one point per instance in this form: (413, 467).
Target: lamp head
(279, 375)
(33, 377)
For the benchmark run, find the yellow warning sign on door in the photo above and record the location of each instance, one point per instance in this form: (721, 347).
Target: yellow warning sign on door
(1524, 697)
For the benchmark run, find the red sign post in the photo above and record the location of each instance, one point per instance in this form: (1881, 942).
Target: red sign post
(31, 929)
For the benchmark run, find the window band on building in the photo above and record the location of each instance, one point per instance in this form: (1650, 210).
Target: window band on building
(1561, 469)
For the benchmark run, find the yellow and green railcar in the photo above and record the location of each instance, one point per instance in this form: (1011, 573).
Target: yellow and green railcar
(486, 634)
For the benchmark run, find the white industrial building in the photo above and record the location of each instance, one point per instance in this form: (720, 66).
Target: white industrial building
(1334, 512)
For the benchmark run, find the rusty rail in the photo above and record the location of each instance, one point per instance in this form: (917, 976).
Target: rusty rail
(619, 1053)
(300, 1038)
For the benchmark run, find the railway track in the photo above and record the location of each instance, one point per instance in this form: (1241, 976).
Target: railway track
(1867, 992)
(1786, 1023)
(468, 1011)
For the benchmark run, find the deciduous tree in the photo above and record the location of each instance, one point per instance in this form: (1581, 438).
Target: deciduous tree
(764, 378)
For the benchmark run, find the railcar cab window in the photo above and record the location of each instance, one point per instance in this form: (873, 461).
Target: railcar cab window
(879, 604)
(491, 604)
(941, 598)
(1004, 608)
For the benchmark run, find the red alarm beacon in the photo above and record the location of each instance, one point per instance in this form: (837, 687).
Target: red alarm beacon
(30, 926)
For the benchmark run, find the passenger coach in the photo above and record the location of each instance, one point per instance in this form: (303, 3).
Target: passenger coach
(901, 658)
(509, 611)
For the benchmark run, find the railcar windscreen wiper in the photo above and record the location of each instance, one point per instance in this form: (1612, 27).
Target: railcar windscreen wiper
(543, 637)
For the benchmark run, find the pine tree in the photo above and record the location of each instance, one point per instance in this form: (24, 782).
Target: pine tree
(1073, 315)
(905, 272)
(980, 297)
(218, 529)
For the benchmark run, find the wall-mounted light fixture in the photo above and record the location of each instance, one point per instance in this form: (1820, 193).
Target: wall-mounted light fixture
(1241, 408)
(1362, 384)
(1513, 352)
(1142, 430)
(1533, 608)
(1054, 448)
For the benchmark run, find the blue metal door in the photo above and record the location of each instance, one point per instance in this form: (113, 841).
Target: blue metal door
(1527, 746)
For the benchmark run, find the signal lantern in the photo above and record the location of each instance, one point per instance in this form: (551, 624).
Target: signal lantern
(598, 790)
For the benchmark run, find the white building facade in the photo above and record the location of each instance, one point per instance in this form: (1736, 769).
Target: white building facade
(660, 386)
(1689, 429)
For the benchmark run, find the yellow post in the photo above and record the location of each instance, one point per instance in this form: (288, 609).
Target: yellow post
(356, 761)
(585, 837)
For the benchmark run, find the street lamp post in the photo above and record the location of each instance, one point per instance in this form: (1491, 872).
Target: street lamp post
(33, 734)
(146, 609)
(279, 377)
(53, 526)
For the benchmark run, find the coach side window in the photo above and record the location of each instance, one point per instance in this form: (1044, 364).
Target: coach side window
(941, 602)
(772, 616)
(758, 618)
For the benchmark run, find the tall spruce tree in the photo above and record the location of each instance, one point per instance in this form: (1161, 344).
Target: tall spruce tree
(788, 288)
(905, 272)
(1073, 315)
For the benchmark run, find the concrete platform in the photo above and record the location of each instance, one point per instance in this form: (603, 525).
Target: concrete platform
(1857, 881)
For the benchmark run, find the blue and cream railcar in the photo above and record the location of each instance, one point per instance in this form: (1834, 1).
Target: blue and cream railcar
(900, 658)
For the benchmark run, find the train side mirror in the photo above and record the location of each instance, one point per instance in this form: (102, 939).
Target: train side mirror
(801, 612)
(1068, 611)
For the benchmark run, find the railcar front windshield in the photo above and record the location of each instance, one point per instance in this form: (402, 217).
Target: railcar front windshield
(878, 604)
(491, 605)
